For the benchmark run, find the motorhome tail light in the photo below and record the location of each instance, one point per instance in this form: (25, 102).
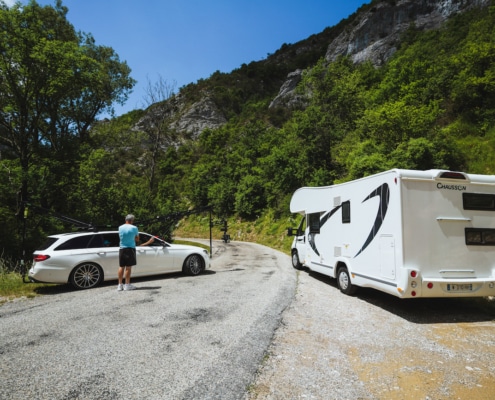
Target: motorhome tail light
(491, 285)
(40, 257)
(413, 284)
(413, 293)
(430, 285)
(414, 274)
(452, 175)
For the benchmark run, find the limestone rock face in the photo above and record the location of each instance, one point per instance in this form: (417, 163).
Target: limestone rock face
(188, 120)
(286, 96)
(198, 117)
(374, 34)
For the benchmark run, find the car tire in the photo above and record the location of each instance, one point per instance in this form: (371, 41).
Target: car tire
(344, 282)
(86, 276)
(193, 265)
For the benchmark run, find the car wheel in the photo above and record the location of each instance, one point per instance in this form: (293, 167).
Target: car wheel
(193, 265)
(295, 260)
(344, 281)
(86, 275)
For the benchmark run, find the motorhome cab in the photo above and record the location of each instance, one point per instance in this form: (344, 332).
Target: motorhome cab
(407, 233)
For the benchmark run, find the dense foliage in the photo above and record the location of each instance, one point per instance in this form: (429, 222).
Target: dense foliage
(54, 81)
(431, 106)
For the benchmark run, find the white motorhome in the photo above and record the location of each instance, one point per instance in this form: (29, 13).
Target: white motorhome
(404, 232)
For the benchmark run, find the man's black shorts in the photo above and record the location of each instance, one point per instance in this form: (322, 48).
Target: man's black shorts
(127, 257)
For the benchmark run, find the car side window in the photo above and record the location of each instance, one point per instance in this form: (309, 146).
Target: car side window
(144, 237)
(111, 240)
(79, 242)
(96, 241)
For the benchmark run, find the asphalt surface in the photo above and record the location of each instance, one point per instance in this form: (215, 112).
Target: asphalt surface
(176, 337)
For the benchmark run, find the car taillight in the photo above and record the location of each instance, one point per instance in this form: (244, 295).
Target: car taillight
(40, 257)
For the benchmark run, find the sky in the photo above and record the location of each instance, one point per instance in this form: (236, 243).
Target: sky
(182, 41)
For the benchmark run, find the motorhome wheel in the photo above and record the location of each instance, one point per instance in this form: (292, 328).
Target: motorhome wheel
(344, 282)
(295, 260)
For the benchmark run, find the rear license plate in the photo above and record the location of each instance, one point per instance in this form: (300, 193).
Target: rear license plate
(464, 287)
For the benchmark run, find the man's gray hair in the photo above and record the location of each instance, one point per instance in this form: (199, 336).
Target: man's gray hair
(129, 217)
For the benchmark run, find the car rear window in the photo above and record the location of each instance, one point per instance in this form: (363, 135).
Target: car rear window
(48, 242)
(79, 242)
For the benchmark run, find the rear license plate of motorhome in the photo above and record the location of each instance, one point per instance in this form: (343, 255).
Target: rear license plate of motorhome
(466, 287)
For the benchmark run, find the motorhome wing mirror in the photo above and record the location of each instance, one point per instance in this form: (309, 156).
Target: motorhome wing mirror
(290, 231)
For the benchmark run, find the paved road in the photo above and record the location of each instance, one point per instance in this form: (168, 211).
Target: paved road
(176, 337)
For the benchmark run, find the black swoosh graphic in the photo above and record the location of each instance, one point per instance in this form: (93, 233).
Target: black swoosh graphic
(384, 192)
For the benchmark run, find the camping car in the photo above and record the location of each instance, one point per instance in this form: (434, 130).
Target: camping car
(407, 233)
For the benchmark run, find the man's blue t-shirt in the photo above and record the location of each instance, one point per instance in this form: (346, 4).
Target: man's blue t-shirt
(127, 234)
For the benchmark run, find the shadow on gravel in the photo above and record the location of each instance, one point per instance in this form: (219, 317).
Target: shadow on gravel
(60, 289)
(423, 310)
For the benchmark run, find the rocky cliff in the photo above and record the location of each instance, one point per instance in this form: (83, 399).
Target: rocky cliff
(372, 34)
(180, 116)
(375, 33)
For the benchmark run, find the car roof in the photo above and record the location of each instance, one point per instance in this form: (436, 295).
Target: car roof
(82, 233)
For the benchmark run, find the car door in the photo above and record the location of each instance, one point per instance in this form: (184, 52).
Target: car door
(154, 258)
(105, 252)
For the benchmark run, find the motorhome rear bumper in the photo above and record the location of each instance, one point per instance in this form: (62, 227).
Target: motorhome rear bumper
(450, 288)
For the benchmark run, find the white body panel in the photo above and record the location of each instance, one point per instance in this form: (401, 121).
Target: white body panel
(402, 223)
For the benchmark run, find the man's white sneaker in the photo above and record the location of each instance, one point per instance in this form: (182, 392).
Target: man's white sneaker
(120, 287)
(129, 287)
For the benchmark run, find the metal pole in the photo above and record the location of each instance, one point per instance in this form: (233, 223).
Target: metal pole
(211, 241)
(23, 258)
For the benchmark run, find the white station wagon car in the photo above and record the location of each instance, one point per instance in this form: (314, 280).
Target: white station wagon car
(85, 259)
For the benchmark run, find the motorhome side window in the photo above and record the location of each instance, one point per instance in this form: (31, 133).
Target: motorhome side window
(346, 212)
(314, 223)
(478, 201)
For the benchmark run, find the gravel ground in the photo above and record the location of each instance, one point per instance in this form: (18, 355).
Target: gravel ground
(375, 346)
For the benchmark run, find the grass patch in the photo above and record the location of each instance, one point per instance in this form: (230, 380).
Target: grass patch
(189, 243)
(12, 285)
(265, 230)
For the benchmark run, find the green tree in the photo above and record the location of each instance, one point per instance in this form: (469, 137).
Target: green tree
(155, 123)
(54, 82)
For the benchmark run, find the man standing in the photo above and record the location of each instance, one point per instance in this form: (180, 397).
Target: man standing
(129, 237)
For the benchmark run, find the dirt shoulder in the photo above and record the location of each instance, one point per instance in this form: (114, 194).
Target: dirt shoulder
(375, 346)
